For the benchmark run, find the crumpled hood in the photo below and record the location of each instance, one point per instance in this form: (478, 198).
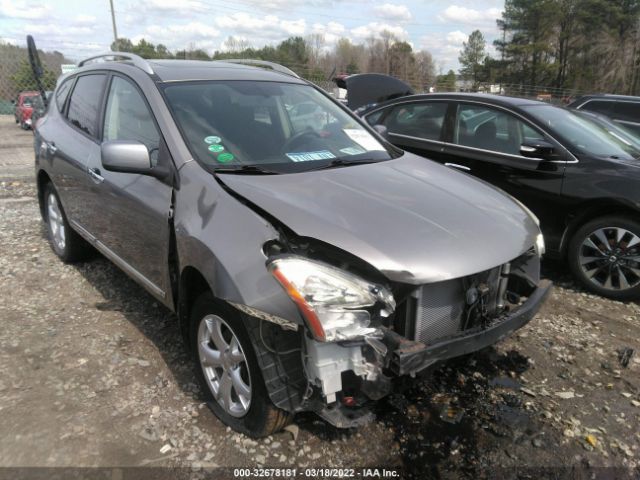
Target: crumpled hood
(414, 220)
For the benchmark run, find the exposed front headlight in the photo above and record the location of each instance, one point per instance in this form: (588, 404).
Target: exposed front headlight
(540, 247)
(333, 302)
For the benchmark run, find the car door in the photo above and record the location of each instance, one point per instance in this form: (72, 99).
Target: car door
(415, 126)
(486, 142)
(131, 211)
(73, 141)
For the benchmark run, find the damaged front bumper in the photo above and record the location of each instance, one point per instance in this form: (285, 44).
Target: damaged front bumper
(406, 356)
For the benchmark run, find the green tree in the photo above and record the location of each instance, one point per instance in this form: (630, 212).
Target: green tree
(446, 83)
(472, 57)
(292, 51)
(23, 78)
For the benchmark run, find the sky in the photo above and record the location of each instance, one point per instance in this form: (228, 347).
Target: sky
(83, 28)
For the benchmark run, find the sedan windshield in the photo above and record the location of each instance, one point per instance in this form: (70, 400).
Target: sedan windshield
(583, 136)
(627, 138)
(285, 127)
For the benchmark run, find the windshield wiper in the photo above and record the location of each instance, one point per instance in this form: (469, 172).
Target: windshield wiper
(246, 169)
(341, 162)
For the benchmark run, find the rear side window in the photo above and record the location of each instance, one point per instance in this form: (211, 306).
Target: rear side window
(62, 93)
(127, 117)
(627, 111)
(85, 103)
(421, 120)
(599, 106)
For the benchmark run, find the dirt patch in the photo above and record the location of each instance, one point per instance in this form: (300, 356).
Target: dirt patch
(93, 373)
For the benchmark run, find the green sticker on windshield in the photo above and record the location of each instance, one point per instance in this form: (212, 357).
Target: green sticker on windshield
(225, 157)
(212, 139)
(216, 148)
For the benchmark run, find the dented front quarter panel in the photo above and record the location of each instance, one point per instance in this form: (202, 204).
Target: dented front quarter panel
(222, 239)
(412, 219)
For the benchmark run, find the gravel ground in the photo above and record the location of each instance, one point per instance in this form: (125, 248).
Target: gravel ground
(93, 373)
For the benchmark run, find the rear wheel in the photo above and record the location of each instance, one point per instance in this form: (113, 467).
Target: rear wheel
(227, 368)
(65, 242)
(604, 255)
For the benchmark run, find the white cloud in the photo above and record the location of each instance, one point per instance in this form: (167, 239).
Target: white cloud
(24, 10)
(83, 19)
(392, 12)
(375, 29)
(470, 16)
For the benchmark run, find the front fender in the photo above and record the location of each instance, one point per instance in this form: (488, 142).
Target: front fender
(223, 239)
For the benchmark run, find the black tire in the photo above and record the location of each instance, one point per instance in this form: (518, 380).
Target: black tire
(262, 418)
(75, 248)
(617, 290)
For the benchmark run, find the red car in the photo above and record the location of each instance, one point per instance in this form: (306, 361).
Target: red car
(24, 108)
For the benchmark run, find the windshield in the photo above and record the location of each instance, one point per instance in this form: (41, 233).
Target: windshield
(290, 127)
(583, 136)
(627, 138)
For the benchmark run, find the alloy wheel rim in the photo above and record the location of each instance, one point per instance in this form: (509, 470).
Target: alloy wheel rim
(56, 222)
(610, 258)
(224, 365)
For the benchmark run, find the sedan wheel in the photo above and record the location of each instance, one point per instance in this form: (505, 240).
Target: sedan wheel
(610, 257)
(605, 256)
(224, 365)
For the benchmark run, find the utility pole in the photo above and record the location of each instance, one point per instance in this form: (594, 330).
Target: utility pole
(113, 23)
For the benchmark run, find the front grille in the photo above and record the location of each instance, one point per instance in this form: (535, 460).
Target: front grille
(439, 312)
(442, 306)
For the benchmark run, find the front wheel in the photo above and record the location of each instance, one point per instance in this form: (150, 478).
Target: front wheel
(604, 255)
(227, 368)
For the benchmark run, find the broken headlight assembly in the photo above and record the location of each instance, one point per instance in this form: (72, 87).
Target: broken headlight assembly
(336, 304)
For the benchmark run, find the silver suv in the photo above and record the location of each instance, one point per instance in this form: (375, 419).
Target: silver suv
(310, 262)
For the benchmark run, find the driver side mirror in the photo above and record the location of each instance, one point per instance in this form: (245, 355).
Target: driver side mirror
(382, 131)
(540, 149)
(126, 156)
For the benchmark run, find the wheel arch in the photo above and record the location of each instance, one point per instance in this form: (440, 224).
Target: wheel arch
(585, 212)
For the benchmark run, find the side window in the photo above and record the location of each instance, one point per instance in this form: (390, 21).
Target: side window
(422, 120)
(489, 129)
(62, 93)
(374, 117)
(85, 103)
(627, 111)
(127, 117)
(599, 106)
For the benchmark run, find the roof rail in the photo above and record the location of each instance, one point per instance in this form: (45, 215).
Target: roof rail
(133, 58)
(262, 63)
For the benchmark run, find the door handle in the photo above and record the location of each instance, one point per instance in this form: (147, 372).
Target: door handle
(460, 167)
(51, 148)
(94, 173)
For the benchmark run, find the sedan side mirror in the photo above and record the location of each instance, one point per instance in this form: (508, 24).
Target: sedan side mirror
(126, 156)
(540, 149)
(382, 131)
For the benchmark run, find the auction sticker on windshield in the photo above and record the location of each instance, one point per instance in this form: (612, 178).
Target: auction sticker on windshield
(310, 156)
(363, 138)
(216, 148)
(212, 139)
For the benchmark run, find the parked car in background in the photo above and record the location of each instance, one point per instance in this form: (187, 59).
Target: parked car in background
(24, 108)
(39, 109)
(622, 109)
(311, 263)
(580, 180)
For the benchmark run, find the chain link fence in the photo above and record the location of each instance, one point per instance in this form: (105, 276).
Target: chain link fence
(16, 77)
